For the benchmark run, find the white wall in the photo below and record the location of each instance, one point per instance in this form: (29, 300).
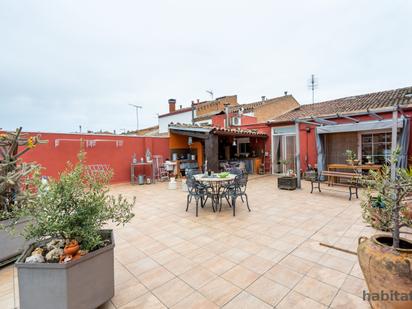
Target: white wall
(185, 117)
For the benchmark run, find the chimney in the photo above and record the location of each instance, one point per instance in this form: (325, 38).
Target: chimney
(172, 105)
(286, 93)
(227, 115)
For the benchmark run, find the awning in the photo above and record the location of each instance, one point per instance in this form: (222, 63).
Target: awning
(360, 126)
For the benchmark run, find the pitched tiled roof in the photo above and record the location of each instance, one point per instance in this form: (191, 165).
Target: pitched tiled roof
(359, 103)
(250, 107)
(247, 107)
(214, 130)
(178, 111)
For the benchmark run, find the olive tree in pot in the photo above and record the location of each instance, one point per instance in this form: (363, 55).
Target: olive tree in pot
(71, 263)
(386, 259)
(14, 175)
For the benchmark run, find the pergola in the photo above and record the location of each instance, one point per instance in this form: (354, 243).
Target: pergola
(325, 125)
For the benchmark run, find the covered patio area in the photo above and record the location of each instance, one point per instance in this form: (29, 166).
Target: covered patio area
(215, 148)
(269, 257)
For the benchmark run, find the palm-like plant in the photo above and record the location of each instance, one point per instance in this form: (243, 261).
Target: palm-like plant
(14, 172)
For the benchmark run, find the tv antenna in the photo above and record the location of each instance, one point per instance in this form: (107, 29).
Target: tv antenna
(210, 92)
(312, 85)
(137, 115)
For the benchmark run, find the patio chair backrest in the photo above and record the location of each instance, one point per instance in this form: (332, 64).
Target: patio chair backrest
(235, 171)
(241, 182)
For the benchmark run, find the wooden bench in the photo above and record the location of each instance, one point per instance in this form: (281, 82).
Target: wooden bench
(353, 181)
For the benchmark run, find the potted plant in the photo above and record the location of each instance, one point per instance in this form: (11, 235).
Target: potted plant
(351, 157)
(289, 180)
(13, 176)
(369, 160)
(375, 210)
(71, 264)
(386, 259)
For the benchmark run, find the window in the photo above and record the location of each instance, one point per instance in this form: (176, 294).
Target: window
(376, 147)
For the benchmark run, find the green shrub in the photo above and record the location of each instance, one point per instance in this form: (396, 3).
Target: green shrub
(77, 206)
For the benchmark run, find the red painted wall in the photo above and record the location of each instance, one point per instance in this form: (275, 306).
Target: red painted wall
(219, 120)
(54, 158)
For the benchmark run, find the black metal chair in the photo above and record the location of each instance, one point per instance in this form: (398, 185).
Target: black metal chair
(238, 189)
(198, 192)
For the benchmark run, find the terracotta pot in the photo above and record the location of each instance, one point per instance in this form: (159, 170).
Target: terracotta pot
(386, 271)
(71, 248)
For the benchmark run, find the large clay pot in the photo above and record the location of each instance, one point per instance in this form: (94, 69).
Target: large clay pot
(386, 271)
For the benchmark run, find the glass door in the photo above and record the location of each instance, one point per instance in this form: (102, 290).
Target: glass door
(283, 149)
(289, 154)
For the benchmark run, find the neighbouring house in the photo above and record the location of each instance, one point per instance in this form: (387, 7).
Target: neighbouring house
(361, 123)
(181, 115)
(149, 131)
(198, 112)
(256, 112)
(207, 109)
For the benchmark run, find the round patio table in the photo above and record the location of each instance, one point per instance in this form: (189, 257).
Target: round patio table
(215, 183)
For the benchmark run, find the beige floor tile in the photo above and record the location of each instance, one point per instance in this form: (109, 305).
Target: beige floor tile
(146, 301)
(345, 300)
(195, 301)
(297, 264)
(240, 276)
(219, 291)
(299, 301)
(141, 266)
(235, 255)
(337, 263)
(268, 291)
(172, 292)
(316, 290)
(284, 275)
(197, 276)
(164, 256)
(179, 266)
(129, 255)
(246, 301)
(128, 291)
(218, 265)
(271, 254)
(327, 275)
(357, 271)
(155, 277)
(354, 286)
(257, 264)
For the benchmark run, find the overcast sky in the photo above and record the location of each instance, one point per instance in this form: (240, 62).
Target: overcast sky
(70, 63)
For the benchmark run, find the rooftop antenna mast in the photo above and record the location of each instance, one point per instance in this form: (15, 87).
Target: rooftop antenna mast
(211, 93)
(312, 85)
(137, 115)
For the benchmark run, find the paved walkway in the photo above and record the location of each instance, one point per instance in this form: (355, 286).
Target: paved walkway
(269, 257)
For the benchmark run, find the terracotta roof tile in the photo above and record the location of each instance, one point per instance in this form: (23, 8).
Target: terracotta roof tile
(359, 103)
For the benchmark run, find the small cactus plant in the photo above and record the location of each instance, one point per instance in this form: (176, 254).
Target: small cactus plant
(14, 172)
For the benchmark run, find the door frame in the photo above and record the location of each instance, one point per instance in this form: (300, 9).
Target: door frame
(283, 142)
